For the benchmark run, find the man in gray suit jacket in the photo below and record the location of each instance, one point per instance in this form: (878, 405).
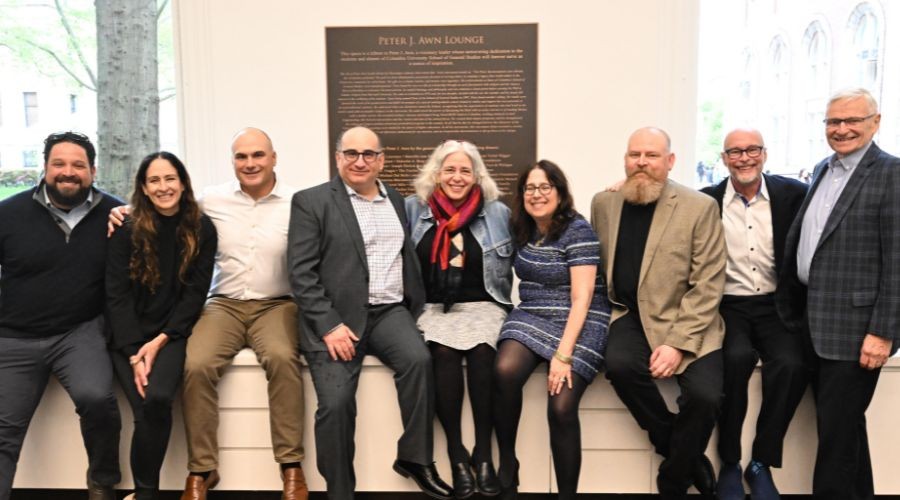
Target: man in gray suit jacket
(356, 280)
(842, 286)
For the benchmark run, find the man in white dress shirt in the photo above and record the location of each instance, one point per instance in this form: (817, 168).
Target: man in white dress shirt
(757, 211)
(250, 305)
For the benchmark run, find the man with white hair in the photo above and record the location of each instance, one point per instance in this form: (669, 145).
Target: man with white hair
(841, 287)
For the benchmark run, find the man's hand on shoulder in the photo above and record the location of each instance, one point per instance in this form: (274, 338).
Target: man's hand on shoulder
(664, 361)
(874, 352)
(116, 218)
(341, 343)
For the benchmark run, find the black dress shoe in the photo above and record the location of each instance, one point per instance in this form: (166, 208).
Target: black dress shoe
(486, 478)
(426, 477)
(704, 477)
(463, 482)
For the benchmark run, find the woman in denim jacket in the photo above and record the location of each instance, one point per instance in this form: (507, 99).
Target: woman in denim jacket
(461, 233)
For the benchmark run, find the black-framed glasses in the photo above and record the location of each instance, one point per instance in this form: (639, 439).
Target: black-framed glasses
(368, 155)
(850, 122)
(751, 151)
(544, 189)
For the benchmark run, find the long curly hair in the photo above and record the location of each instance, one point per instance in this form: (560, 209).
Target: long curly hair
(523, 225)
(144, 219)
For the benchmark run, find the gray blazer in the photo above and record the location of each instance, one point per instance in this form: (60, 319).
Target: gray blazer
(328, 266)
(854, 278)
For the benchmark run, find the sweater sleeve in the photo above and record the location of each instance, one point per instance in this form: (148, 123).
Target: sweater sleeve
(194, 291)
(125, 328)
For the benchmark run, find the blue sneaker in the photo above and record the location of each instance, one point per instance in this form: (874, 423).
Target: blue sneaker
(730, 485)
(759, 478)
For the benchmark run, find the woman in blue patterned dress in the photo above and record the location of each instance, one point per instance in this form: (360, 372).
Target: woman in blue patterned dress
(562, 319)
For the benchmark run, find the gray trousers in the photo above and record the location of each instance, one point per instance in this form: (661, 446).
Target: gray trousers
(393, 337)
(80, 361)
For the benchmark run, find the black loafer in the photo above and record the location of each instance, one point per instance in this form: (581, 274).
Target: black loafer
(486, 478)
(704, 477)
(463, 482)
(426, 477)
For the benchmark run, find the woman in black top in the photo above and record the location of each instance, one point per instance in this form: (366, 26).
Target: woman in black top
(157, 276)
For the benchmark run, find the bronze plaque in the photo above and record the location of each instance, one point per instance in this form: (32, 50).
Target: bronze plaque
(417, 86)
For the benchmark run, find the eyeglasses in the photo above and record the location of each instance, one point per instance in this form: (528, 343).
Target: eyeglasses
(736, 153)
(368, 155)
(850, 122)
(544, 189)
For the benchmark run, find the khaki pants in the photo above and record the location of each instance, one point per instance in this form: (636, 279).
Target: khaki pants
(269, 327)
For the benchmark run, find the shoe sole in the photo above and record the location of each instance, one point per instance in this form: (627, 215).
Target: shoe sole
(403, 472)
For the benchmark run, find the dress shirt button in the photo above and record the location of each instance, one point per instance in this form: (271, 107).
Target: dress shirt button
(751, 249)
(754, 269)
(749, 227)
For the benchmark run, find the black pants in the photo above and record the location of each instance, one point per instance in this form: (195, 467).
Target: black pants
(80, 361)
(753, 331)
(391, 335)
(153, 414)
(681, 438)
(843, 392)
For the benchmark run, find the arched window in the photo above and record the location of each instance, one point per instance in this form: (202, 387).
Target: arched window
(745, 109)
(866, 35)
(776, 99)
(818, 78)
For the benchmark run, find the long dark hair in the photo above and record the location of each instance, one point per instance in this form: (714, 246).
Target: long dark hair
(144, 219)
(523, 226)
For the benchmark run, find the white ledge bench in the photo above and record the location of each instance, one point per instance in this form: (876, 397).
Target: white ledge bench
(618, 457)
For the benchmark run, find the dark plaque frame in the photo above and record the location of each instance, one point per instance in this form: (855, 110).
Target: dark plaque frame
(417, 86)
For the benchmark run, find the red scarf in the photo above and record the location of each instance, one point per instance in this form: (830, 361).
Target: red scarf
(447, 251)
(450, 220)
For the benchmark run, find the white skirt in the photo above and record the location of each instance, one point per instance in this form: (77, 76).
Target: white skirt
(466, 325)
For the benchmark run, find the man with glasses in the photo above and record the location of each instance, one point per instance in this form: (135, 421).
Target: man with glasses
(664, 254)
(52, 269)
(757, 210)
(356, 280)
(841, 287)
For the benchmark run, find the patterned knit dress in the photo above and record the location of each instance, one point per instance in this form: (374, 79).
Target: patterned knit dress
(545, 292)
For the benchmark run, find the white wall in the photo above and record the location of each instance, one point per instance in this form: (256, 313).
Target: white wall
(604, 69)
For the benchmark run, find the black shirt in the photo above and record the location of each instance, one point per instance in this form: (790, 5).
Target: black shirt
(634, 226)
(472, 286)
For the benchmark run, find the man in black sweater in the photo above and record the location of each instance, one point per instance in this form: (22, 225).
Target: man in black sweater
(52, 264)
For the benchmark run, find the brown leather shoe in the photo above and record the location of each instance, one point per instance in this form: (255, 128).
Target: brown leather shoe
(294, 484)
(195, 487)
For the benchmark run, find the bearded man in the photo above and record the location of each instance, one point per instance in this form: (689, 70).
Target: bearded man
(663, 250)
(52, 271)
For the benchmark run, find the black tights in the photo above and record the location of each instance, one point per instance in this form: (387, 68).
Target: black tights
(515, 363)
(448, 379)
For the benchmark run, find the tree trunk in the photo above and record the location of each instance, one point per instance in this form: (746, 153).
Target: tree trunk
(127, 90)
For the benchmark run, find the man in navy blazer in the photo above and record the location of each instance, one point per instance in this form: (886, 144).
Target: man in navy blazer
(356, 280)
(842, 285)
(757, 210)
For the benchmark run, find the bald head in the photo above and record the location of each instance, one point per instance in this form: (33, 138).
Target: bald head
(651, 134)
(358, 133)
(253, 133)
(742, 134)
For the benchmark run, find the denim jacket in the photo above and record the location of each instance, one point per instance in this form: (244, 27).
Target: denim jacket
(490, 228)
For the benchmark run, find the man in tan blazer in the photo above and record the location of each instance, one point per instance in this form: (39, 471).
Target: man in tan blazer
(664, 254)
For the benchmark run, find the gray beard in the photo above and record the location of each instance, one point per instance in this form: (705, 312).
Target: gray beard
(641, 191)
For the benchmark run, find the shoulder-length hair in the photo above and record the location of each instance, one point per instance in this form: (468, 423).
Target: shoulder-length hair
(144, 219)
(431, 171)
(523, 225)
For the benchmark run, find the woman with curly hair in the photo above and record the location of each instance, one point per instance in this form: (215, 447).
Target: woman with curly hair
(157, 277)
(562, 320)
(461, 233)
